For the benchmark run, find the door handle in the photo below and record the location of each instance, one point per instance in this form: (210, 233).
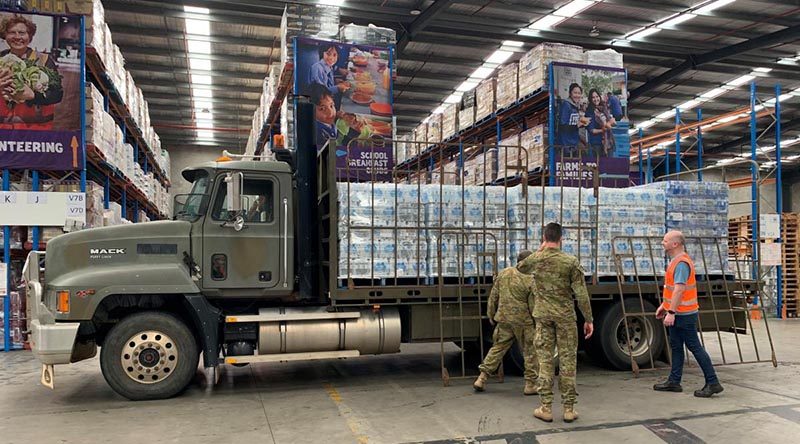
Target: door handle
(285, 242)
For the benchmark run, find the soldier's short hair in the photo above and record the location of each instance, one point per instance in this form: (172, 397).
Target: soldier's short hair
(552, 232)
(523, 255)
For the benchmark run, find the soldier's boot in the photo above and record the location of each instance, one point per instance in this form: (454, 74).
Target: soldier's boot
(480, 383)
(530, 388)
(544, 412)
(570, 414)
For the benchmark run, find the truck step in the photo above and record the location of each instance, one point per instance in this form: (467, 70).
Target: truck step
(284, 317)
(285, 357)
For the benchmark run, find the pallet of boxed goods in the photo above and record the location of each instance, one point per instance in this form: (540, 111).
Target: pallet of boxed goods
(534, 64)
(507, 86)
(450, 120)
(485, 99)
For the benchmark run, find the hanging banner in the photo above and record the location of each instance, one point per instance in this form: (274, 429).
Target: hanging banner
(351, 89)
(590, 121)
(40, 105)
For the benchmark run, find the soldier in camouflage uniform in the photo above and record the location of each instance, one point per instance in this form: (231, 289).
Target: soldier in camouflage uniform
(556, 276)
(511, 309)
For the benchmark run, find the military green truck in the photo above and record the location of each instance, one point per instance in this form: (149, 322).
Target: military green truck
(246, 273)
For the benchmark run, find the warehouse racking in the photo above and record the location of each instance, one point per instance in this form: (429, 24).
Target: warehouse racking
(117, 187)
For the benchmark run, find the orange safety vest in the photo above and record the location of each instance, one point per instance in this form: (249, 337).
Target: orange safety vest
(688, 301)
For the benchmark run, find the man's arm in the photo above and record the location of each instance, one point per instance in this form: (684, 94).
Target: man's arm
(494, 299)
(578, 285)
(531, 298)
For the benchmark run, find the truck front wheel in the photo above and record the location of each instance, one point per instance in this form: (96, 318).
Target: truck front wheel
(643, 340)
(149, 355)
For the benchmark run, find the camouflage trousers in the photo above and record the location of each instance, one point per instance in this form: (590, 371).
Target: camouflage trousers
(564, 334)
(502, 340)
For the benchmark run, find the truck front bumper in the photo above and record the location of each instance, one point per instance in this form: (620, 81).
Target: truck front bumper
(51, 342)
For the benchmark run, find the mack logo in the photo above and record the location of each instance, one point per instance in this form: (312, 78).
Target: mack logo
(107, 251)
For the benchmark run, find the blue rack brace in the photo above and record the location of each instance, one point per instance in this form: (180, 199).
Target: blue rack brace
(754, 176)
(7, 277)
(699, 146)
(677, 140)
(779, 193)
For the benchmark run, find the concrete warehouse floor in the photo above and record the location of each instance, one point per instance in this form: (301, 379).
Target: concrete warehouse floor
(400, 398)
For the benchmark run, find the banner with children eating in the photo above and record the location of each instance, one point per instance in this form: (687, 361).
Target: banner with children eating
(351, 89)
(41, 88)
(590, 118)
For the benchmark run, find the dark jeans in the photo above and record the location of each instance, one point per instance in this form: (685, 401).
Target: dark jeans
(685, 332)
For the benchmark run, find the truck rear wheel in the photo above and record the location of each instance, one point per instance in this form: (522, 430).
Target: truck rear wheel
(149, 356)
(644, 337)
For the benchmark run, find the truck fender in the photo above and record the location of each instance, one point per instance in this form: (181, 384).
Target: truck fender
(145, 279)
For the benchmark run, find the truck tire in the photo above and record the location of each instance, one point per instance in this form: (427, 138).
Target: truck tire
(149, 355)
(610, 342)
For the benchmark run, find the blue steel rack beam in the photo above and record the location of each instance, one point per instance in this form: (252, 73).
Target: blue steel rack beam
(779, 194)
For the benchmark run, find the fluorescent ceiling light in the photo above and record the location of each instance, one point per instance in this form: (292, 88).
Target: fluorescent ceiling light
(198, 47)
(741, 80)
(677, 20)
(200, 64)
(728, 119)
(499, 56)
(644, 32)
(688, 105)
(205, 134)
(528, 32)
(764, 70)
(646, 124)
(714, 5)
(514, 43)
(789, 60)
(196, 10)
(331, 2)
(482, 72)
(666, 115)
(453, 98)
(199, 27)
(573, 7)
(201, 79)
(546, 22)
(199, 106)
(713, 93)
(205, 93)
(467, 85)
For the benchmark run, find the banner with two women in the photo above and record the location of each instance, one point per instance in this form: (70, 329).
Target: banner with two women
(40, 91)
(590, 119)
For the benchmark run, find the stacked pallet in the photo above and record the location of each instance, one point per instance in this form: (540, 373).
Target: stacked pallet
(791, 263)
(739, 245)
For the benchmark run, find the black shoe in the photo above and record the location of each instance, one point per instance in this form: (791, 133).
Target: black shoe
(668, 386)
(708, 390)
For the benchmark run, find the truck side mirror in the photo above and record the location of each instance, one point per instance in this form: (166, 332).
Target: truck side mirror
(234, 183)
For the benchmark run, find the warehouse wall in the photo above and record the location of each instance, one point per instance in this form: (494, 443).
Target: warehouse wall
(181, 158)
(741, 194)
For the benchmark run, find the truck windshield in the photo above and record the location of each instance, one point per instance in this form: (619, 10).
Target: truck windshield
(193, 205)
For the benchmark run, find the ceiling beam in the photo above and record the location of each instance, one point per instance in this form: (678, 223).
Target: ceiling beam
(146, 68)
(142, 82)
(175, 10)
(692, 62)
(422, 21)
(182, 54)
(138, 31)
(187, 99)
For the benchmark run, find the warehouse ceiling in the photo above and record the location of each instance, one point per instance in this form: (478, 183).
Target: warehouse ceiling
(674, 51)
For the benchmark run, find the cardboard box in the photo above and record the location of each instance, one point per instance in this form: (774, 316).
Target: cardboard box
(485, 99)
(449, 121)
(534, 64)
(507, 87)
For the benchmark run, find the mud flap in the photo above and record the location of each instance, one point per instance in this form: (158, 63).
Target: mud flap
(48, 376)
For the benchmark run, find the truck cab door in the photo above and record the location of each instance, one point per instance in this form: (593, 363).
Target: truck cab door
(248, 260)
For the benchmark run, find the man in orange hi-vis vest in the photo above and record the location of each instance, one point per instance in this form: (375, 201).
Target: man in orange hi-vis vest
(679, 311)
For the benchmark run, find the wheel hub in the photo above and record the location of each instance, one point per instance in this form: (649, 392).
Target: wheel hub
(635, 340)
(149, 357)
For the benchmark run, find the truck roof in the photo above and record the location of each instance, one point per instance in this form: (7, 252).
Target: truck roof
(237, 165)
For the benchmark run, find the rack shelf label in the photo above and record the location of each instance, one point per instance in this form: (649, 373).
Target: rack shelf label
(52, 209)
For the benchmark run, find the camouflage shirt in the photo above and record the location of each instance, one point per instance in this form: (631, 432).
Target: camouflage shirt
(511, 300)
(556, 277)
